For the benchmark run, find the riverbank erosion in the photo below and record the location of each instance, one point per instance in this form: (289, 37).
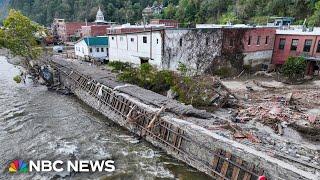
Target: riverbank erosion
(181, 131)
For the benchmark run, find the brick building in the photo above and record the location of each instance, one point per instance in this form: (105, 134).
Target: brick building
(296, 42)
(94, 30)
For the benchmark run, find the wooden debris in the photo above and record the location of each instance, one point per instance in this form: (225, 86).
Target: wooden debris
(156, 117)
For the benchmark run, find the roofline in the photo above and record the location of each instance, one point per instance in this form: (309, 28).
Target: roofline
(177, 29)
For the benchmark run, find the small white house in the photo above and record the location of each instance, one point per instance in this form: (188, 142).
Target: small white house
(93, 47)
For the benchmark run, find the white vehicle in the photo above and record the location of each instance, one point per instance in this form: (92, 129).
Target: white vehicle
(58, 49)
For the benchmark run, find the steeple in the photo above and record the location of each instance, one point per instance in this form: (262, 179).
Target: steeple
(99, 16)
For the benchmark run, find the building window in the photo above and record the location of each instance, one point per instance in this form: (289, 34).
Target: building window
(318, 47)
(307, 45)
(112, 38)
(82, 50)
(90, 50)
(207, 41)
(294, 44)
(97, 49)
(249, 41)
(267, 40)
(121, 38)
(157, 41)
(231, 42)
(258, 40)
(132, 39)
(180, 42)
(282, 43)
(102, 49)
(144, 39)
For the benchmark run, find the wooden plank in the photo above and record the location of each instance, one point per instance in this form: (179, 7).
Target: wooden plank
(215, 160)
(247, 175)
(225, 166)
(236, 170)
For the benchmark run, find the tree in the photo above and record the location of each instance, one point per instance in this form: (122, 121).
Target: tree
(294, 68)
(19, 34)
(314, 20)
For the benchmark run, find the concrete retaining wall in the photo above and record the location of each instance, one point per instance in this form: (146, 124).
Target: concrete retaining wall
(198, 145)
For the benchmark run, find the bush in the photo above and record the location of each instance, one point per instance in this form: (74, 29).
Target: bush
(294, 68)
(223, 72)
(148, 77)
(119, 66)
(17, 79)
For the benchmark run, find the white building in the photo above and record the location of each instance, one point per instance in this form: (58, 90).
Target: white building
(93, 47)
(166, 48)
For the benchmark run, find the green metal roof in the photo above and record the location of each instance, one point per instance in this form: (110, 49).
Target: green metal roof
(96, 41)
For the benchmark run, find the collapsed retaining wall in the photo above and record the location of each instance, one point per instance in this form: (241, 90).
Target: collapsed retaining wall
(174, 130)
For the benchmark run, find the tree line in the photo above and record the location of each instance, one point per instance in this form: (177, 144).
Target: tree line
(187, 12)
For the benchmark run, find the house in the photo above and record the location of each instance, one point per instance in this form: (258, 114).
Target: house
(92, 47)
(297, 41)
(202, 49)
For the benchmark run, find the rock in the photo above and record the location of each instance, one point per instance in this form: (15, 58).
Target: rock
(171, 94)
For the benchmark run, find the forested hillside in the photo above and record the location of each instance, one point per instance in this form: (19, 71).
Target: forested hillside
(186, 11)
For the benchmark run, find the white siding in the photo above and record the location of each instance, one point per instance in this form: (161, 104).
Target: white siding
(131, 48)
(81, 49)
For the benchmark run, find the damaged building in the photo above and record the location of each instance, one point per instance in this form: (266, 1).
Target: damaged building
(203, 49)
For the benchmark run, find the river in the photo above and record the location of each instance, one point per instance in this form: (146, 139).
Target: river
(37, 124)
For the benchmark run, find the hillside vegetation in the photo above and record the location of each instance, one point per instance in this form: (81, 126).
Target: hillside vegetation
(188, 12)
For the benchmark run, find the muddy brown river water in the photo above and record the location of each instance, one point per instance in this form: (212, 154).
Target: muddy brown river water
(37, 124)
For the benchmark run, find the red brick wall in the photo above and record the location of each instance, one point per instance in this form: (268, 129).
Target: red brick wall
(254, 34)
(281, 55)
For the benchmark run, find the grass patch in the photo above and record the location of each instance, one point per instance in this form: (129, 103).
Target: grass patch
(17, 79)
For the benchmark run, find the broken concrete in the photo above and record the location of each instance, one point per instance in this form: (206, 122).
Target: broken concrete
(276, 155)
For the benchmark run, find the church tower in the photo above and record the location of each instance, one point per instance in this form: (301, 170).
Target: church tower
(99, 17)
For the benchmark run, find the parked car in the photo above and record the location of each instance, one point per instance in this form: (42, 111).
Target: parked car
(58, 49)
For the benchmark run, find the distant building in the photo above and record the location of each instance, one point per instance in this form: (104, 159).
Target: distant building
(93, 47)
(166, 22)
(280, 21)
(94, 30)
(203, 49)
(72, 31)
(297, 42)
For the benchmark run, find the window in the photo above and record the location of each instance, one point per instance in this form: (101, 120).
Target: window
(112, 38)
(249, 41)
(231, 42)
(132, 39)
(307, 45)
(267, 40)
(102, 49)
(258, 40)
(144, 39)
(82, 50)
(157, 41)
(318, 47)
(282, 43)
(121, 38)
(90, 50)
(294, 44)
(207, 41)
(97, 49)
(180, 42)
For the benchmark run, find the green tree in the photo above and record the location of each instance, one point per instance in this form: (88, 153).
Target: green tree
(314, 20)
(294, 68)
(19, 34)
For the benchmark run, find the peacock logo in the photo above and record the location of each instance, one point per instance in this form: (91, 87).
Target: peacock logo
(18, 166)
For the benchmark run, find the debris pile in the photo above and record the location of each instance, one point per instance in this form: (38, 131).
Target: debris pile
(279, 107)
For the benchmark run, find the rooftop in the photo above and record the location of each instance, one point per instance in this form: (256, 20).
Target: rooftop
(299, 30)
(96, 41)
